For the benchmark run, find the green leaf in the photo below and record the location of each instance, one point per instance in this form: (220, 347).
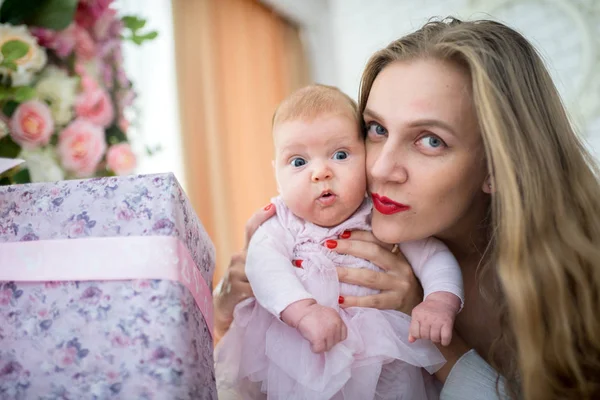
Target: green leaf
(53, 140)
(5, 93)
(9, 108)
(151, 35)
(150, 151)
(15, 12)
(133, 22)
(5, 181)
(10, 65)
(22, 176)
(8, 148)
(24, 93)
(14, 49)
(53, 14)
(115, 135)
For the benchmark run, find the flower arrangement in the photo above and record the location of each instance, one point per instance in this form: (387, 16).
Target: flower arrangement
(64, 94)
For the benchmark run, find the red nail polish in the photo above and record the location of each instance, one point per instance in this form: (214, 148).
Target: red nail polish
(331, 244)
(298, 263)
(345, 235)
(268, 207)
(341, 299)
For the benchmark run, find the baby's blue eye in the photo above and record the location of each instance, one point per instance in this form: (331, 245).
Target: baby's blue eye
(340, 155)
(298, 162)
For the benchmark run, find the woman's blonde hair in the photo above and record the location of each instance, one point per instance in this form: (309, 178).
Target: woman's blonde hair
(545, 210)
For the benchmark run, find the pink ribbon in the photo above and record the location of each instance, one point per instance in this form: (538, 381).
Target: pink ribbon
(104, 259)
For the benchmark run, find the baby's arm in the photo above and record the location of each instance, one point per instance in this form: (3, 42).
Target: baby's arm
(441, 277)
(277, 288)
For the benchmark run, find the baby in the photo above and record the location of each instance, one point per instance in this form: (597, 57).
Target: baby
(293, 341)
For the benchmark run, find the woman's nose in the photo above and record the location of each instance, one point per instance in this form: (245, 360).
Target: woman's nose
(387, 166)
(321, 172)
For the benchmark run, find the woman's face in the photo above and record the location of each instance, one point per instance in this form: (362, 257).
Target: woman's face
(425, 160)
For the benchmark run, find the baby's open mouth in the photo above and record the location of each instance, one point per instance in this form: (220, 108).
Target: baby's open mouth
(327, 198)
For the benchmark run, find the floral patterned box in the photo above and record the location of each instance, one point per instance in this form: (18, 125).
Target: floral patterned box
(119, 339)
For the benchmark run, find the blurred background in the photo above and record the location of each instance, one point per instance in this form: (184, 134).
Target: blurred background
(208, 85)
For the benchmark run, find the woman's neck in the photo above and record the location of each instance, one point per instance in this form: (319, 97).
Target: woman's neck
(468, 239)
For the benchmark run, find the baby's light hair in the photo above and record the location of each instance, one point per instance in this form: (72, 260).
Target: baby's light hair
(313, 101)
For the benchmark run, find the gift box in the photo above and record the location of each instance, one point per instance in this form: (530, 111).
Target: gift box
(104, 291)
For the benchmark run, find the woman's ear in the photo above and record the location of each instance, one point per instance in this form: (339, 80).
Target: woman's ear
(488, 185)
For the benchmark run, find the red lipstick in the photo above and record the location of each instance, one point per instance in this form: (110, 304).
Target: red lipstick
(387, 206)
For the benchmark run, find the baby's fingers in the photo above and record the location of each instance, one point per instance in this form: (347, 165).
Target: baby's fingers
(414, 331)
(435, 333)
(446, 334)
(344, 332)
(318, 346)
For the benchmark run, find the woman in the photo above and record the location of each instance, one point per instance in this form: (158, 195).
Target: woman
(464, 125)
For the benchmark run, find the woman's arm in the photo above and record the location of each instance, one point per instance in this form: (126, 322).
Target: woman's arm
(234, 286)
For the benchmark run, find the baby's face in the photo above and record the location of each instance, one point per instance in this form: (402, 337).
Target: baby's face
(320, 168)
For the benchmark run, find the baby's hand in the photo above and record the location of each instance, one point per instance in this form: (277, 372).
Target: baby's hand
(433, 319)
(320, 325)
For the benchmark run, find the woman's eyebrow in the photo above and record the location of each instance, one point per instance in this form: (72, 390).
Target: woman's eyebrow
(433, 122)
(372, 114)
(412, 124)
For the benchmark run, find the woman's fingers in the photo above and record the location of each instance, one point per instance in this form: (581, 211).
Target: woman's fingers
(388, 300)
(257, 219)
(365, 236)
(370, 279)
(372, 251)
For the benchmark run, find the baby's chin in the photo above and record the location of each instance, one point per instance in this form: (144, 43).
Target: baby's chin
(327, 218)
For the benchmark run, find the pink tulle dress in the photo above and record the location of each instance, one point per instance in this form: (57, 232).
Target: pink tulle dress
(261, 357)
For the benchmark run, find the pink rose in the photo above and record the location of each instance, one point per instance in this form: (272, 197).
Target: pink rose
(107, 24)
(123, 124)
(85, 48)
(81, 146)
(120, 159)
(62, 42)
(88, 11)
(94, 104)
(32, 124)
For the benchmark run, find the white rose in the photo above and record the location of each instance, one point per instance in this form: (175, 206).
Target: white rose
(43, 165)
(30, 63)
(60, 90)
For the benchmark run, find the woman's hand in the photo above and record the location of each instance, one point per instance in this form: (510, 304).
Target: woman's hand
(234, 286)
(400, 289)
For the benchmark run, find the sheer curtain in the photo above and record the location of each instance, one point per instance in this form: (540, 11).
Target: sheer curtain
(151, 67)
(236, 60)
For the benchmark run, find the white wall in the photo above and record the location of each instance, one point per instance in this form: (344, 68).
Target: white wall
(357, 28)
(151, 67)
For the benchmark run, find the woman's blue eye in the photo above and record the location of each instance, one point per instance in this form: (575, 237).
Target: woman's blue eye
(298, 162)
(375, 128)
(433, 141)
(340, 155)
